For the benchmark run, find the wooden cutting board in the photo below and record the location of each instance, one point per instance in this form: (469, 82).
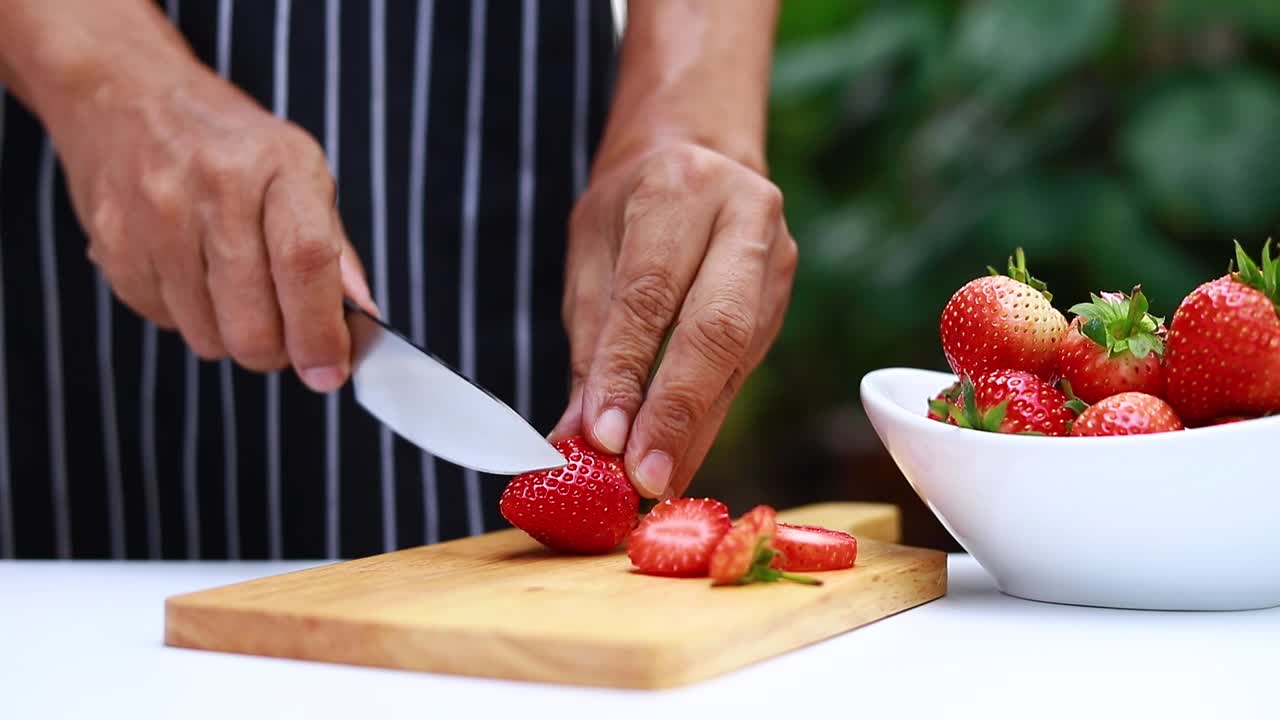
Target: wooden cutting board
(501, 606)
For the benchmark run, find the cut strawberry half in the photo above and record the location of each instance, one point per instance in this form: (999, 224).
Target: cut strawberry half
(804, 548)
(745, 554)
(676, 538)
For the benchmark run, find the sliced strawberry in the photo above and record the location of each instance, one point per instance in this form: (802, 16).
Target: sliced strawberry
(745, 553)
(677, 536)
(804, 548)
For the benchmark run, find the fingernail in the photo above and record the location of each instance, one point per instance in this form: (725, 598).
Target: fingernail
(323, 379)
(654, 472)
(611, 430)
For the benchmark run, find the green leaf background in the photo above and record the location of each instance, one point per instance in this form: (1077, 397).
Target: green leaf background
(919, 141)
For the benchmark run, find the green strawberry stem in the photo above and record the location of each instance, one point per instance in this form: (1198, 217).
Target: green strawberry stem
(1137, 311)
(1265, 278)
(1074, 404)
(1018, 271)
(1121, 325)
(760, 570)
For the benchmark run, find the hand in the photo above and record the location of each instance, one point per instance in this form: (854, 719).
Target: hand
(210, 215)
(683, 239)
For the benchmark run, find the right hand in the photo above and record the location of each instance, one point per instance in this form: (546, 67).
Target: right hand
(209, 215)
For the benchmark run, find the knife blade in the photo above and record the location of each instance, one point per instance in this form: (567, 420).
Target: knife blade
(425, 401)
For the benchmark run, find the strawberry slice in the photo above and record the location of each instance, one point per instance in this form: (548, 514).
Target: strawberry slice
(804, 548)
(745, 553)
(677, 536)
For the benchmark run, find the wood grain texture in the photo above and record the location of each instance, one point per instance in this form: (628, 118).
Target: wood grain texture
(501, 606)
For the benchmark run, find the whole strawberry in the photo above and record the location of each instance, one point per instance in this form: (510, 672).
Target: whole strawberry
(1112, 346)
(588, 506)
(1128, 413)
(1013, 402)
(1001, 322)
(1222, 356)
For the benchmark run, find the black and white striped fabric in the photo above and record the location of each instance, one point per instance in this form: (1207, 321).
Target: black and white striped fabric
(460, 133)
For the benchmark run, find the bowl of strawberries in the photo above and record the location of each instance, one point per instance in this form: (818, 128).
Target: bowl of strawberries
(1109, 459)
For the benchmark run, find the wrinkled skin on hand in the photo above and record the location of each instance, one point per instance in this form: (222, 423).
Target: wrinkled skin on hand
(682, 246)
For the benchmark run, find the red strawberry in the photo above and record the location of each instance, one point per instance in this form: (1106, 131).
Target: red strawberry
(677, 536)
(1223, 355)
(1113, 346)
(745, 553)
(939, 406)
(1227, 420)
(1003, 323)
(1014, 402)
(587, 506)
(1128, 413)
(803, 548)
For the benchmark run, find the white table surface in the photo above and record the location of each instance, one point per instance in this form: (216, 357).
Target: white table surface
(83, 640)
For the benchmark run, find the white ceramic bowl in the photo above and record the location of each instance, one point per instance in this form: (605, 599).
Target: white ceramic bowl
(1186, 520)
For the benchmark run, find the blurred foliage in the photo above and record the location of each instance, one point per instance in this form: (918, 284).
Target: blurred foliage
(918, 141)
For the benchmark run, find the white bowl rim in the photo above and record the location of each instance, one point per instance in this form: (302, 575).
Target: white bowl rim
(873, 386)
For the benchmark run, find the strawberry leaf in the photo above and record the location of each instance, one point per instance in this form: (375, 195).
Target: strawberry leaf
(1096, 330)
(939, 407)
(968, 415)
(1265, 278)
(1143, 345)
(1096, 309)
(1075, 404)
(1114, 321)
(995, 416)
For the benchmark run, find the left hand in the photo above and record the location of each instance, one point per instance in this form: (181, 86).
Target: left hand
(676, 238)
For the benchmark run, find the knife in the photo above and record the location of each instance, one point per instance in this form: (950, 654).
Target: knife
(425, 401)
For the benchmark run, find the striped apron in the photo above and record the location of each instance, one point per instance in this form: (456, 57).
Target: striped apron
(460, 133)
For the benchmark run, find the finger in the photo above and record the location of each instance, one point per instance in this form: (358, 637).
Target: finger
(240, 282)
(586, 298)
(355, 283)
(571, 421)
(305, 246)
(775, 297)
(181, 268)
(712, 341)
(665, 234)
(704, 438)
